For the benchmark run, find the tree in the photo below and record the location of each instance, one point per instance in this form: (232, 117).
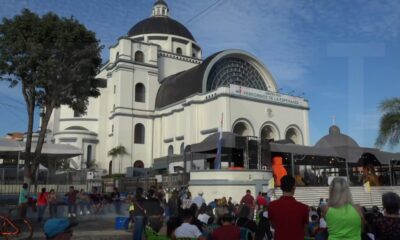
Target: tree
(117, 151)
(55, 60)
(389, 128)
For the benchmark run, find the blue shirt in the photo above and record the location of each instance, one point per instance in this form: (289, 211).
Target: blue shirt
(23, 196)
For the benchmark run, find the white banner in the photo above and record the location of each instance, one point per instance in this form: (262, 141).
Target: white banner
(267, 96)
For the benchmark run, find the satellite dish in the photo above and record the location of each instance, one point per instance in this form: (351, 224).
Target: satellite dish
(74, 164)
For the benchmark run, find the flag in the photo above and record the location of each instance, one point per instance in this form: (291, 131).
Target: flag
(217, 162)
(367, 187)
(271, 183)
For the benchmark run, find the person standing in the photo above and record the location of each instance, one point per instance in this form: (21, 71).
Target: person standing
(344, 220)
(154, 211)
(52, 201)
(187, 201)
(248, 200)
(83, 201)
(139, 214)
(199, 200)
(288, 217)
(71, 201)
(173, 205)
(42, 204)
(23, 200)
(116, 197)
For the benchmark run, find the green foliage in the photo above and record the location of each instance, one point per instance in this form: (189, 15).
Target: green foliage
(55, 60)
(114, 176)
(389, 128)
(116, 151)
(58, 57)
(92, 164)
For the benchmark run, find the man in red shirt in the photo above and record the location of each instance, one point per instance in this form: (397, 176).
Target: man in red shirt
(227, 231)
(261, 201)
(249, 201)
(288, 217)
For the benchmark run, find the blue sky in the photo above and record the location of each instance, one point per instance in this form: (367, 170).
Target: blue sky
(344, 55)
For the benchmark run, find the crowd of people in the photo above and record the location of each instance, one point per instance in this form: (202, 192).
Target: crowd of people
(259, 218)
(187, 217)
(77, 202)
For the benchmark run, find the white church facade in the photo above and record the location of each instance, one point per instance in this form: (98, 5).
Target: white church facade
(159, 96)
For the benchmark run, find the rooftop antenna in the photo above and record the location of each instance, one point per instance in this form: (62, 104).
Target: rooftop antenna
(334, 120)
(301, 95)
(291, 92)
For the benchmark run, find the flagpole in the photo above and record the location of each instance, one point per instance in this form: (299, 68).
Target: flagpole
(217, 161)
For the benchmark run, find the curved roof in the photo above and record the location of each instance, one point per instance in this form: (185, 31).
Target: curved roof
(336, 139)
(196, 80)
(163, 25)
(183, 84)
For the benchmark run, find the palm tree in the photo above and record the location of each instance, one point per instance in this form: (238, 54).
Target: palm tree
(117, 151)
(389, 129)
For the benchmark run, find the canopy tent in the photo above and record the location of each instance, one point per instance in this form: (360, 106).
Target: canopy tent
(350, 153)
(15, 149)
(335, 145)
(229, 140)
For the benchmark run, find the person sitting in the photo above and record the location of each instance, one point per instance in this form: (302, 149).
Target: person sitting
(388, 226)
(187, 229)
(227, 230)
(313, 225)
(58, 229)
(203, 216)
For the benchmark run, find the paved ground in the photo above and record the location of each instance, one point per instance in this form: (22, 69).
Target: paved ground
(92, 226)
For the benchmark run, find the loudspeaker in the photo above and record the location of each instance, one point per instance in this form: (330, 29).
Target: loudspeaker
(266, 153)
(253, 154)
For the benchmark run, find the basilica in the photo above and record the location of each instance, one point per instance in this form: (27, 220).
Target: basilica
(159, 96)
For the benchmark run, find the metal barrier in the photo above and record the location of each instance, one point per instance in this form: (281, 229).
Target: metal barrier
(10, 189)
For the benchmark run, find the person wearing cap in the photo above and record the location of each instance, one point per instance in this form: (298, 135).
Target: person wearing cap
(58, 229)
(199, 200)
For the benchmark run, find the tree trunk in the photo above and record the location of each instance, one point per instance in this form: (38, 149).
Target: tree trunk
(29, 96)
(40, 142)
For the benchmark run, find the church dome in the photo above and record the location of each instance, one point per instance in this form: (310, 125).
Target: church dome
(336, 139)
(163, 25)
(160, 22)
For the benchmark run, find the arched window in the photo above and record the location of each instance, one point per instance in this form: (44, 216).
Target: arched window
(138, 164)
(139, 56)
(182, 148)
(140, 93)
(139, 133)
(170, 150)
(179, 51)
(88, 155)
(170, 153)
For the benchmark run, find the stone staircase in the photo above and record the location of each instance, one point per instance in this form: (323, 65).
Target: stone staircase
(311, 195)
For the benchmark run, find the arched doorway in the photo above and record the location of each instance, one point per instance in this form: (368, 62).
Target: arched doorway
(138, 164)
(294, 135)
(242, 129)
(269, 132)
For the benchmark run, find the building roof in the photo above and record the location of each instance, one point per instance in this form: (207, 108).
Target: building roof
(188, 82)
(336, 139)
(163, 25)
